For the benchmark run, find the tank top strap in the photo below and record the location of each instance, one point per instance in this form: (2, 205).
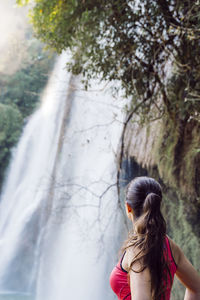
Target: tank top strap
(120, 262)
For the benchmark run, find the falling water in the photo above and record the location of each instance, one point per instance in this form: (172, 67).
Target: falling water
(60, 219)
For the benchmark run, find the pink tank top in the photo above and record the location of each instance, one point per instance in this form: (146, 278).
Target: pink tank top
(119, 279)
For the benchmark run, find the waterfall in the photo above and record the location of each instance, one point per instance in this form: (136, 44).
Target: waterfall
(60, 219)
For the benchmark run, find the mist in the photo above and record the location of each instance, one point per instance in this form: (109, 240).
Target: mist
(14, 26)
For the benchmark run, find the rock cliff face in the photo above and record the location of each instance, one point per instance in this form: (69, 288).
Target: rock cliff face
(170, 153)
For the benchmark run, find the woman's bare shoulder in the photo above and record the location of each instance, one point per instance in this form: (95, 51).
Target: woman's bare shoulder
(131, 253)
(128, 257)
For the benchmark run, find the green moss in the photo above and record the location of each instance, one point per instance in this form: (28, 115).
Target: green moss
(177, 156)
(163, 152)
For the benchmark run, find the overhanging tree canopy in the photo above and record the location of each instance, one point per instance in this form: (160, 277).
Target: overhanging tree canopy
(133, 42)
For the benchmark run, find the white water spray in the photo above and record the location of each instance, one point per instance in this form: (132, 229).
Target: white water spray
(60, 221)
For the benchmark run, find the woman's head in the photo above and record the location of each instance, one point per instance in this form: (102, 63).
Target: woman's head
(143, 192)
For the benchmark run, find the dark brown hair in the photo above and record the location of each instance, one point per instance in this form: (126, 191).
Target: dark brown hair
(144, 196)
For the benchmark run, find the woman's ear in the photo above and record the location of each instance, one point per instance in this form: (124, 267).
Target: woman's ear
(129, 208)
(129, 211)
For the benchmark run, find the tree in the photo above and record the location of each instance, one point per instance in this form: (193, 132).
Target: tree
(132, 42)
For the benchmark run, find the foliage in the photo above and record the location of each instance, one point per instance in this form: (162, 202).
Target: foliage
(24, 87)
(10, 128)
(134, 42)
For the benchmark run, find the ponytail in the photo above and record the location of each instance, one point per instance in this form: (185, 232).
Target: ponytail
(148, 238)
(151, 221)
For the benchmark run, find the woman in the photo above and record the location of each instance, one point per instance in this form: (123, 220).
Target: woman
(150, 260)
